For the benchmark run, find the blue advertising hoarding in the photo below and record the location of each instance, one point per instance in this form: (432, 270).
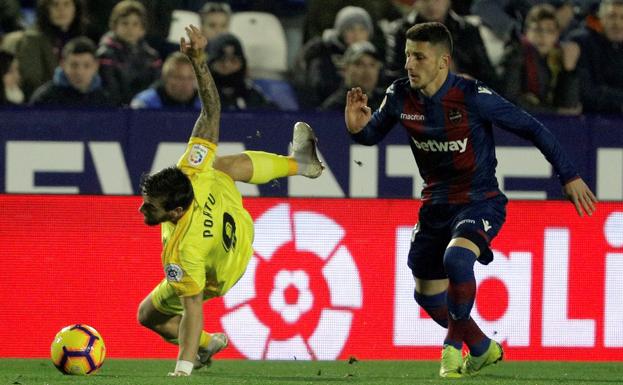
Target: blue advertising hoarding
(107, 151)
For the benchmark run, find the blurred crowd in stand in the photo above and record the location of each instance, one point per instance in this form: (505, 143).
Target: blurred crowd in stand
(551, 57)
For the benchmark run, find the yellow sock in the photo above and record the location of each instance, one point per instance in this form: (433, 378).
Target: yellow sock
(268, 166)
(205, 338)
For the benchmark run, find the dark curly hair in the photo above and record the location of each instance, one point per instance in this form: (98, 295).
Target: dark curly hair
(171, 184)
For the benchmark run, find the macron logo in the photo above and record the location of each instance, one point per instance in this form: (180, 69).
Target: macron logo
(435, 146)
(486, 225)
(484, 90)
(416, 117)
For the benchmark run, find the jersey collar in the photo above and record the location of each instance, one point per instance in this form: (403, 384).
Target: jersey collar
(441, 92)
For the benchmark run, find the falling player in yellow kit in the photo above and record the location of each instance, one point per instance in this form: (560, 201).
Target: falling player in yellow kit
(207, 234)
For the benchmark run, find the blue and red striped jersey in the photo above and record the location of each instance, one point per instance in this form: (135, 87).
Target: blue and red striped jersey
(451, 136)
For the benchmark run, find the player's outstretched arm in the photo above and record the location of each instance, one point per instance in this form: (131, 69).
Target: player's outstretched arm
(357, 113)
(189, 334)
(582, 197)
(207, 124)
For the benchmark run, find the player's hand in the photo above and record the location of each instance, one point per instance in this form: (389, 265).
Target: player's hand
(178, 374)
(194, 48)
(582, 197)
(357, 113)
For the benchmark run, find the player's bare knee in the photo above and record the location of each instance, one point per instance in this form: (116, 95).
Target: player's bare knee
(144, 314)
(142, 317)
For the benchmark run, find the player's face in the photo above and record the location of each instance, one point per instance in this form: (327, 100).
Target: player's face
(153, 211)
(80, 69)
(611, 17)
(179, 84)
(214, 23)
(543, 35)
(130, 29)
(425, 63)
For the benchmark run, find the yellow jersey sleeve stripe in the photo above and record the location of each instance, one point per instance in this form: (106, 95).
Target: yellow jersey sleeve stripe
(176, 274)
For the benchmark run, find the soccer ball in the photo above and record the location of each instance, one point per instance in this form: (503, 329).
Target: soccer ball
(78, 349)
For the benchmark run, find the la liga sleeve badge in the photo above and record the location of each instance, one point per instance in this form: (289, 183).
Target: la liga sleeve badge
(197, 154)
(173, 272)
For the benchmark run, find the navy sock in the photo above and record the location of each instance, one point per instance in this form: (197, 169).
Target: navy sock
(459, 265)
(435, 306)
(479, 348)
(458, 345)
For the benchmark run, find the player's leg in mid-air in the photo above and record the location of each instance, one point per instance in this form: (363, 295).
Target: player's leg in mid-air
(161, 311)
(258, 167)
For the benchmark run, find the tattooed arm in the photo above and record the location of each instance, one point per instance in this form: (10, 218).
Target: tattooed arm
(207, 124)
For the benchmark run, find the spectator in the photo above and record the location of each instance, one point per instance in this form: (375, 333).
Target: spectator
(462, 7)
(39, 50)
(215, 18)
(544, 79)
(128, 63)
(601, 60)
(10, 16)
(321, 15)
(97, 14)
(505, 17)
(76, 82)
(469, 56)
(175, 89)
(159, 20)
(10, 91)
(362, 67)
(317, 73)
(229, 69)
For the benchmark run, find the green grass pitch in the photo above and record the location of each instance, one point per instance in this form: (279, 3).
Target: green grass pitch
(153, 372)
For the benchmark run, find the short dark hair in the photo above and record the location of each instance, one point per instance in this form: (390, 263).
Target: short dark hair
(541, 12)
(78, 45)
(170, 184)
(433, 32)
(125, 9)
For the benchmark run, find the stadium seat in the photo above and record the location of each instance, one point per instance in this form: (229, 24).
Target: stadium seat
(264, 42)
(179, 20)
(280, 92)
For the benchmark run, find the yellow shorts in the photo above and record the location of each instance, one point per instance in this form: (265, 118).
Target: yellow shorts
(166, 301)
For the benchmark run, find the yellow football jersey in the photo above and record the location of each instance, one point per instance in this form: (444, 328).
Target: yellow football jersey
(209, 248)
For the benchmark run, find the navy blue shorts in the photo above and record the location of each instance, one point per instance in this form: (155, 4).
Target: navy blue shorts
(478, 221)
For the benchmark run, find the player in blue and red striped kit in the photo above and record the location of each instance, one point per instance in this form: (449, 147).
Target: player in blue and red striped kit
(449, 121)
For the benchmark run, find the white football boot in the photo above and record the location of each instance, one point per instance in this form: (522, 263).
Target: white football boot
(218, 342)
(303, 150)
